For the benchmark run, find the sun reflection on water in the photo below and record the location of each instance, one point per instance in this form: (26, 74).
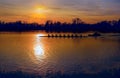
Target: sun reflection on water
(38, 48)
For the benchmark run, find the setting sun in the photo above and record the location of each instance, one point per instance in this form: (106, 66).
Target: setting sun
(41, 10)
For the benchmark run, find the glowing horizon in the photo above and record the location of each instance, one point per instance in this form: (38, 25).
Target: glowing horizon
(59, 10)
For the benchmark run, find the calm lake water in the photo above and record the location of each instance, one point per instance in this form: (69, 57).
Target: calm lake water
(30, 53)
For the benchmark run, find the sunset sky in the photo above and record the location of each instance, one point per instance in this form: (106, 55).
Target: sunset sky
(90, 11)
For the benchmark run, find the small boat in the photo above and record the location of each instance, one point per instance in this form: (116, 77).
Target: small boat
(96, 34)
(63, 36)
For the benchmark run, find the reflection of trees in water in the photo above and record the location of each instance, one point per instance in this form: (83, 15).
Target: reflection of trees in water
(112, 73)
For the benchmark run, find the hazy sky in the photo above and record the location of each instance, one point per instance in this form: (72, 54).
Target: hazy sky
(63, 10)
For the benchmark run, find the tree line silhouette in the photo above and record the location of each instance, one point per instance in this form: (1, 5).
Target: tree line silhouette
(77, 26)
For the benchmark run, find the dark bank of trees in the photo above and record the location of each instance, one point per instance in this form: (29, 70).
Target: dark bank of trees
(77, 26)
(19, 26)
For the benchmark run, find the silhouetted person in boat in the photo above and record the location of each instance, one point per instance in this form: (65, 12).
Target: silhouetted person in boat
(68, 36)
(72, 35)
(64, 35)
(49, 35)
(56, 35)
(60, 35)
